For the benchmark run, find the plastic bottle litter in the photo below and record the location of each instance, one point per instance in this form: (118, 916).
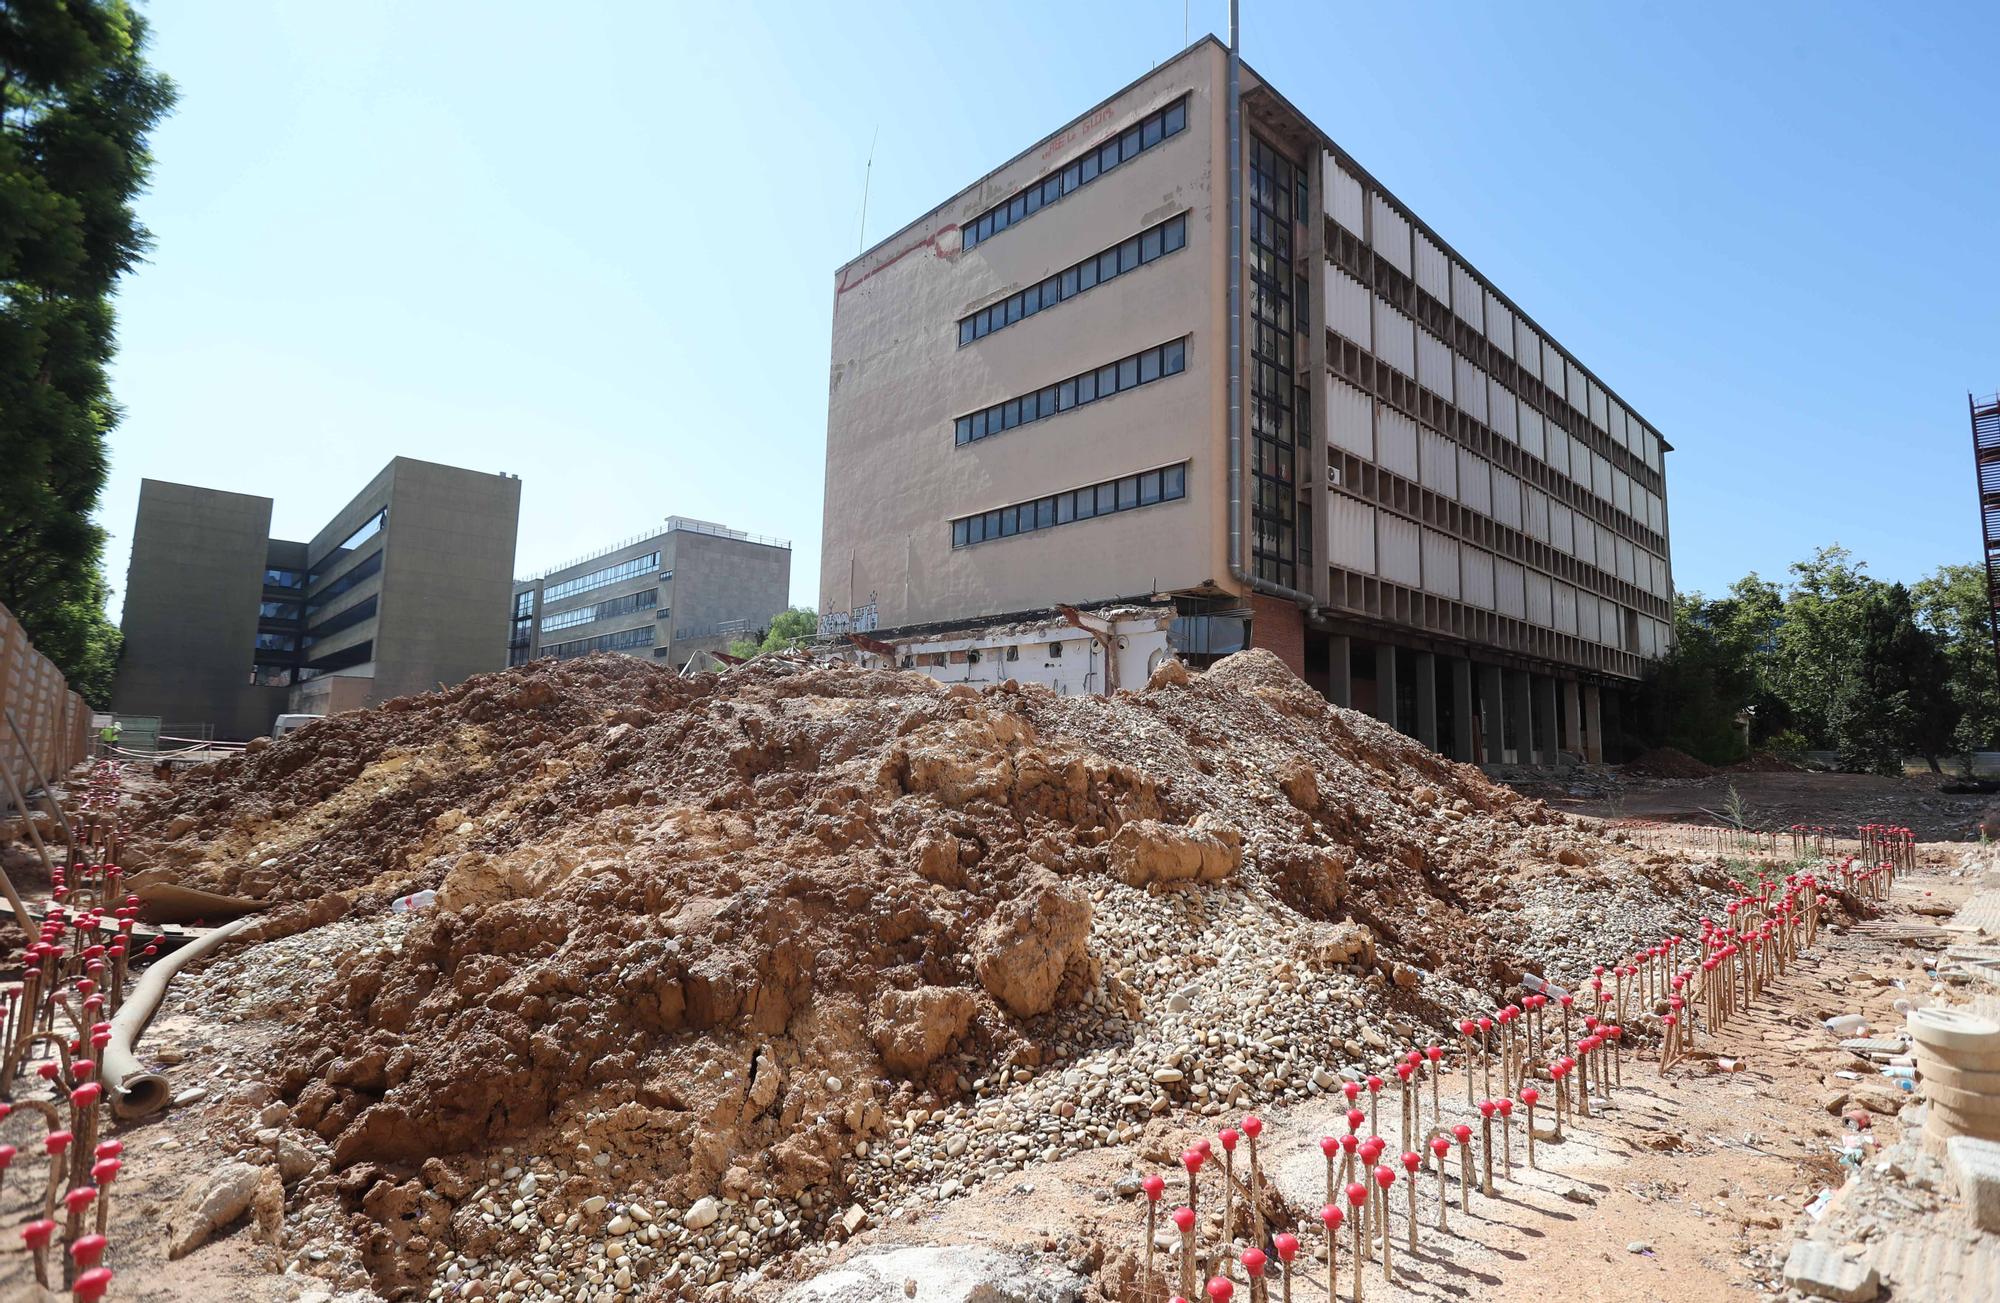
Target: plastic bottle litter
(1900, 1073)
(415, 900)
(1847, 1024)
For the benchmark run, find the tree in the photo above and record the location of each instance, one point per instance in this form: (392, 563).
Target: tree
(1695, 692)
(1952, 605)
(792, 627)
(1811, 658)
(77, 101)
(1894, 697)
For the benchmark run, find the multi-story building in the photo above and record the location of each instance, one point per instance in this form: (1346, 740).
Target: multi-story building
(1188, 348)
(228, 627)
(694, 586)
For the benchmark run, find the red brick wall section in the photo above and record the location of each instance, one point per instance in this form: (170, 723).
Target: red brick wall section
(1279, 627)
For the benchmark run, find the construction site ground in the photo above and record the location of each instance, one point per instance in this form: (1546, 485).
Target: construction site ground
(1692, 1185)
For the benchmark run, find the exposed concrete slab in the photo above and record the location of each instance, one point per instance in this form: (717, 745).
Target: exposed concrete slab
(1975, 1169)
(951, 1274)
(1824, 1272)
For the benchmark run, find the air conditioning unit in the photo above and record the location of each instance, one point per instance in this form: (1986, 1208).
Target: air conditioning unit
(1333, 479)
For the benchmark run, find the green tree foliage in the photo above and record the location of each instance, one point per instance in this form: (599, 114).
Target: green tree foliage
(76, 103)
(792, 627)
(1952, 605)
(1834, 659)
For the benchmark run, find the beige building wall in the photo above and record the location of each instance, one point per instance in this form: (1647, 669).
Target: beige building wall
(895, 479)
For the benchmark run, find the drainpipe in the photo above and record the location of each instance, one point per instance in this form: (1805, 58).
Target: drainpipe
(1238, 569)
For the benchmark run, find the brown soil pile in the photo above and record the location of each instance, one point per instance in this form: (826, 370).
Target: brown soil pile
(1764, 762)
(680, 919)
(1670, 762)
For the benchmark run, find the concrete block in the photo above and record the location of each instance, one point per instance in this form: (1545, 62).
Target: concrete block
(1975, 1169)
(1823, 1272)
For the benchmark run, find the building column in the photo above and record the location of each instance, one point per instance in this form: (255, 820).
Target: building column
(1461, 709)
(1493, 711)
(1521, 711)
(1593, 724)
(1572, 695)
(1427, 699)
(1385, 683)
(1546, 752)
(1340, 670)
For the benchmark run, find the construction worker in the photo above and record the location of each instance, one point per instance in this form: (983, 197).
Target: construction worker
(107, 738)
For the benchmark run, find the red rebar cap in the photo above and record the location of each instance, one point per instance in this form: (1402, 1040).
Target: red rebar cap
(1506, 1107)
(105, 1170)
(1328, 1146)
(36, 1234)
(1253, 1262)
(1183, 1218)
(90, 1286)
(1440, 1146)
(1530, 1095)
(1357, 1194)
(57, 1141)
(1331, 1217)
(1219, 1290)
(1463, 1133)
(1385, 1177)
(1191, 1159)
(79, 1199)
(1286, 1244)
(1412, 1161)
(1486, 1108)
(87, 1249)
(110, 1148)
(1253, 1126)
(1228, 1138)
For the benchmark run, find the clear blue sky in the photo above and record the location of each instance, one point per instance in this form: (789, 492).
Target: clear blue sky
(594, 244)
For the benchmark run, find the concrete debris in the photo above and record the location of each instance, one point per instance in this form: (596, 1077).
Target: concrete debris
(950, 1274)
(1822, 1271)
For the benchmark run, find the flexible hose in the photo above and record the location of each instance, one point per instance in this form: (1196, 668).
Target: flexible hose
(136, 1091)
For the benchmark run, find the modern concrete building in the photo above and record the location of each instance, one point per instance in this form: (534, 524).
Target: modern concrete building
(694, 586)
(1187, 348)
(402, 590)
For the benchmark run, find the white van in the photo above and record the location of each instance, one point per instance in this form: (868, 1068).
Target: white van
(291, 724)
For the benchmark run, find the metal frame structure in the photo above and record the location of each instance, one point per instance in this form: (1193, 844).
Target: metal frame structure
(1985, 414)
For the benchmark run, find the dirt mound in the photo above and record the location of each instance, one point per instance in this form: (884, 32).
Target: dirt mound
(722, 933)
(1670, 762)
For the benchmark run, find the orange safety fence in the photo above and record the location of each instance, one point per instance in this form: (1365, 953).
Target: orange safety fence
(54, 723)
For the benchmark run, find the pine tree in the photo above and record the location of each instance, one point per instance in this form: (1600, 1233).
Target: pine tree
(76, 103)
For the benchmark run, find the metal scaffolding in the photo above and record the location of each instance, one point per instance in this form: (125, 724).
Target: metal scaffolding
(1986, 467)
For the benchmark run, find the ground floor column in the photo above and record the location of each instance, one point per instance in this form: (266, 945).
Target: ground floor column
(1593, 724)
(1385, 683)
(1340, 670)
(1545, 721)
(1521, 713)
(1426, 670)
(1461, 709)
(1572, 704)
(1493, 714)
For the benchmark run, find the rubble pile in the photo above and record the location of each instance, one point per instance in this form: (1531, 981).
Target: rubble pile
(725, 966)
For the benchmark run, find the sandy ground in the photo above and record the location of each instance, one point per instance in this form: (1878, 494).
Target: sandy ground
(1690, 1186)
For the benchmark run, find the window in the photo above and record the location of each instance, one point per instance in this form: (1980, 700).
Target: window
(271, 676)
(363, 570)
(524, 603)
(623, 640)
(279, 642)
(353, 615)
(1150, 244)
(599, 578)
(1274, 424)
(277, 610)
(1102, 382)
(1055, 651)
(348, 546)
(274, 577)
(346, 658)
(644, 600)
(1166, 484)
(1153, 130)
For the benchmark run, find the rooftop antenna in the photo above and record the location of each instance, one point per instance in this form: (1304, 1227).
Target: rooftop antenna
(867, 175)
(1184, 23)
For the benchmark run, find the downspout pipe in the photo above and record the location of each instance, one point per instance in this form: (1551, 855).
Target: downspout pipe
(1239, 570)
(133, 1090)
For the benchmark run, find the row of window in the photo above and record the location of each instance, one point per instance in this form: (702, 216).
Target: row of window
(1167, 359)
(644, 600)
(623, 640)
(278, 577)
(353, 615)
(277, 610)
(348, 546)
(1134, 141)
(277, 642)
(1141, 490)
(599, 578)
(362, 571)
(524, 603)
(1153, 242)
(346, 658)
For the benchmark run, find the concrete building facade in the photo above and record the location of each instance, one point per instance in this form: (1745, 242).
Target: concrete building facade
(399, 593)
(1188, 349)
(694, 586)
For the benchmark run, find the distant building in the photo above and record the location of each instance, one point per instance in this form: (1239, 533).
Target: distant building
(227, 627)
(1188, 350)
(694, 586)
(1073, 652)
